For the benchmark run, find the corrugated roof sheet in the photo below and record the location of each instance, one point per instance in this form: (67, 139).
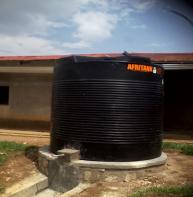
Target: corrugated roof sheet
(28, 58)
(156, 57)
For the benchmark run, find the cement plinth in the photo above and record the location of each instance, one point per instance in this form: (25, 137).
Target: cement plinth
(122, 165)
(65, 170)
(62, 174)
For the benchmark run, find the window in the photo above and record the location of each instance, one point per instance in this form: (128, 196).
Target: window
(4, 95)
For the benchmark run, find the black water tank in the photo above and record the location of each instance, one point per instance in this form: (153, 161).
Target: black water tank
(109, 108)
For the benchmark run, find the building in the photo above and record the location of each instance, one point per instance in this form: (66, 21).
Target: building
(26, 85)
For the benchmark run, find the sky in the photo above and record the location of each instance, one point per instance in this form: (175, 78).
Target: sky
(58, 27)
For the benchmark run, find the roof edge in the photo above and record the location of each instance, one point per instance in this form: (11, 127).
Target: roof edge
(157, 57)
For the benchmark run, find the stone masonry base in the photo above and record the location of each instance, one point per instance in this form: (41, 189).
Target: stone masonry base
(65, 170)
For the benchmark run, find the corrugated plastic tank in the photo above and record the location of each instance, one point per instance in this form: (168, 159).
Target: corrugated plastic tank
(108, 108)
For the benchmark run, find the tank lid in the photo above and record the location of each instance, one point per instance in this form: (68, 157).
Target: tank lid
(125, 57)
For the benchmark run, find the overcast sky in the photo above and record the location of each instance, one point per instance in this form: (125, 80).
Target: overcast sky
(49, 27)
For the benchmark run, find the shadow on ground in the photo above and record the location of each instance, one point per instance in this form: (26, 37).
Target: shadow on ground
(31, 152)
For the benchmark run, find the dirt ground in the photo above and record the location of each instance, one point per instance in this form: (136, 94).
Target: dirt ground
(20, 165)
(16, 168)
(26, 140)
(178, 171)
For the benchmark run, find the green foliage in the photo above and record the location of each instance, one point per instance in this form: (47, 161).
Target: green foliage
(184, 148)
(11, 146)
(6, 148)
(3, 158)
(185, 191)
(2, 189)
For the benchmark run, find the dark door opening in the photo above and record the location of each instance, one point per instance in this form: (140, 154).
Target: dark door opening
(4, 95)
(178, 101)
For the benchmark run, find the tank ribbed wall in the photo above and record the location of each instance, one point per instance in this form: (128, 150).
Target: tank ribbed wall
(118, 119)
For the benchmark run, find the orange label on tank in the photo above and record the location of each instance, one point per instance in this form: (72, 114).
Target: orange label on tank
(140, 67)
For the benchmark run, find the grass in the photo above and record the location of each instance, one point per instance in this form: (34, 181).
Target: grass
(7, 148)
(185, 191)
(2, 189)
(186, 149)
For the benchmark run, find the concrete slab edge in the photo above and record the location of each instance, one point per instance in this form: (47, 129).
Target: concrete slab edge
(28, 187)
(122, 165)
(77, 190)
(45, 153)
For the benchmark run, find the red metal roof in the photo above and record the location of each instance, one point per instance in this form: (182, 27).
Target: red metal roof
(157, 57)
(27, 58)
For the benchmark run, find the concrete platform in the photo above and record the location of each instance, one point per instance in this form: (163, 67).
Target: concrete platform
(73, 158)
(122, 165)
(28, 187)
(74, 192)
(65, 170)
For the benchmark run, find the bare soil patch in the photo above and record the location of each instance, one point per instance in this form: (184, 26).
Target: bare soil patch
(16, 168)
(178, 171)
(20, 164)
(27, 140)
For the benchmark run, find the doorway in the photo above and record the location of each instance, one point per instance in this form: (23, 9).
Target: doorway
(178, 101)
